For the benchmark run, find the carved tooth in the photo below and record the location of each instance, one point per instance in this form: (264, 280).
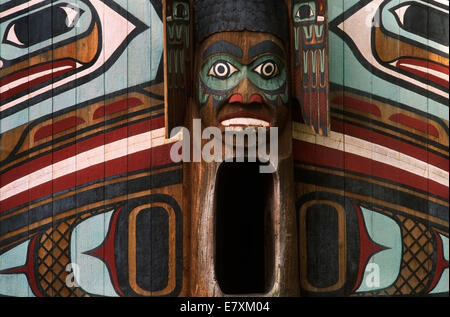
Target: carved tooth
(245, 122)
(234, 129)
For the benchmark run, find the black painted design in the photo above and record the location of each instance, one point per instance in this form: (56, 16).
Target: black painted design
(222, 47)
(265, 47)
(212, 16)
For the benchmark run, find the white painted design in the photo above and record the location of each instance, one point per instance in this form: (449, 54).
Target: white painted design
(12, 36)
(27, 79)
(246, 122)
(361, 35)
(401, 13)
(373, 152)
(115, 29)
(86, 159)
(72, 15)
(425, 70)
(18, 8)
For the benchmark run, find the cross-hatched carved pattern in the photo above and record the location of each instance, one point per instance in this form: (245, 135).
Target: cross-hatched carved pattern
(417, 260)
(54, 256)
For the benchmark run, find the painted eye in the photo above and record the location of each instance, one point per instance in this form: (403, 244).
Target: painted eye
(305, 12)
(181, 11)
(46, 24)
(267, 70)
(222, 70)
(13, 37)
(424, 21)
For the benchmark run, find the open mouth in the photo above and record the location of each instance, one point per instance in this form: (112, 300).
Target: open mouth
(23, 80)
(244, 229)
(428, 70)
(242, 120)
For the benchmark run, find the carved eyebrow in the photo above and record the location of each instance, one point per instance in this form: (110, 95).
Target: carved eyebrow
(223, 47)
(265, 47)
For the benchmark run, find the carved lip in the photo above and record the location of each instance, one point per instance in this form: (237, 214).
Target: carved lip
(33, 76)
(426, 69)
(245, 119)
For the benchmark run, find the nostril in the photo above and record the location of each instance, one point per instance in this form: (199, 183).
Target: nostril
(236, 98)
(256, 98)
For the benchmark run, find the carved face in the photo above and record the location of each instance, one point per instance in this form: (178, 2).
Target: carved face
(242, 80)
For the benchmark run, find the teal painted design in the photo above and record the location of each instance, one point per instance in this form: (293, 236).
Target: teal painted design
(391, 21)
(383, 267)
(203, 97)
(90, 272)
(13, 49)
(443, 285)
(349, 69)
(358, 77)
(233, 73)
(313, 13)
(146, 48)
(15, 284)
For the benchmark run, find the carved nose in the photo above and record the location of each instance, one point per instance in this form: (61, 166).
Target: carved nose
(246, 93)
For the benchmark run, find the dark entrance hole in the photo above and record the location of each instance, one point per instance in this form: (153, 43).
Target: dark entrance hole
(244, 251)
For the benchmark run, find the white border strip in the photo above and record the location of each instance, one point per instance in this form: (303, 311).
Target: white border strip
(86, 159)
(18, 8)
(372, 151)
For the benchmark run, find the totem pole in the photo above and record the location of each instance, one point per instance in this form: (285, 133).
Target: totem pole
(102, 195)
(243, 226)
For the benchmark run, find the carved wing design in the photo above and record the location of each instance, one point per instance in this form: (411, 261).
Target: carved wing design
(310, 61)
(177, 15)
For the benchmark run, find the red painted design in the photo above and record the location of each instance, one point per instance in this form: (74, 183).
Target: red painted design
(83, 146)
(71, 65)
(416, 124)
(405, 64)
(256, 99)
(153, 157)
(323, 111)
(314, 109)
(57, 127)
(28, 268)
(236, 98)
(367, 247)
(392, 143)
(321, 155)
(441, 263)
(106, 251)
(349, 102)
(117, 107)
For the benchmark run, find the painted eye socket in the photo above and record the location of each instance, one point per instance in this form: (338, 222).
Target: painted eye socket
(305, 12)
(180, 11)
(424, 21)
(47, 23)
(222, 70)
(267, 70)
